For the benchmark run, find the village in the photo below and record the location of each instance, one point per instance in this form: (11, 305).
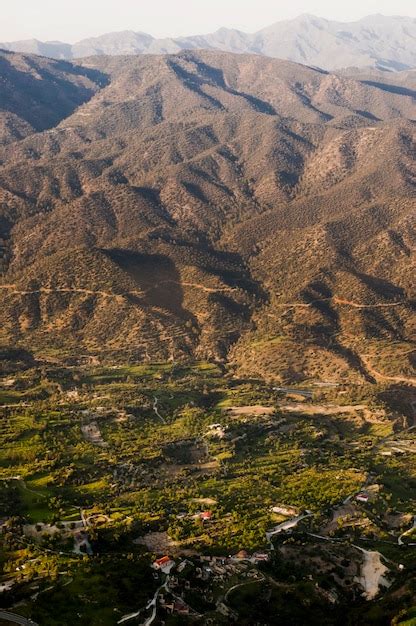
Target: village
(220, 502)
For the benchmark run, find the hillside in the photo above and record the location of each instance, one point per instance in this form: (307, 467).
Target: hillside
(384, 42)
(217, 206)
(37, 93)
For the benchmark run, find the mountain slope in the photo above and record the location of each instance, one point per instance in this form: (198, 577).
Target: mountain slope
(38, 93)
(219, 206)
(374, 41)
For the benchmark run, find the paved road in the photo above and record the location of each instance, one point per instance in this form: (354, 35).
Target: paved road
(156, 410)
(246, 582)
(16, 619)
(151, 603)
(290, 523)
(300, 392)
(407, 532)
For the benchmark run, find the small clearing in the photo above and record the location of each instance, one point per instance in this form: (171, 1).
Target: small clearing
(161, 543)
(320, 409)
(347, 510)
(237, 411)
(64, 528)
(92, 434)
(207, 501)
(187, 452)
(372, 574)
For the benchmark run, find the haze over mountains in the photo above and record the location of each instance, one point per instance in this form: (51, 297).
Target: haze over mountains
(209, 205)
(377, 41)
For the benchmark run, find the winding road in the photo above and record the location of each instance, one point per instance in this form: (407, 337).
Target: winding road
(16, 619)
(151, 603)
(246, 582)
(156, 410)
(380, 376)
(407, 532)
(108, 294)
(340, 302)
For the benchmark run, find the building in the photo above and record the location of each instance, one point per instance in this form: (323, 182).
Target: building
(284, 510)
(242, 555)
(164, 564)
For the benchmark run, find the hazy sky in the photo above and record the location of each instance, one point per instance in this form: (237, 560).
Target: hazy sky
(70, 20)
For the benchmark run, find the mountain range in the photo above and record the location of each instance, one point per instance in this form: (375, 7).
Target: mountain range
(378, 41)
(209, 205)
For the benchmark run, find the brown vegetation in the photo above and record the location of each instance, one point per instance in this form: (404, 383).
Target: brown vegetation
(212, 205)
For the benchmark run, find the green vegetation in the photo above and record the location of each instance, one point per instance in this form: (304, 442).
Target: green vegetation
(142, 450)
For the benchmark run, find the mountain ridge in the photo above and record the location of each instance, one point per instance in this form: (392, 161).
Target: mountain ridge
(221, 206)
(384, 42)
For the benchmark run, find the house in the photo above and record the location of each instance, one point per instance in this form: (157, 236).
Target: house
(181, 608)
(284, 510)
(242, 555)
(82, 544)
(362, 497)
(182, 565)
(164, 564)
(217, 559)
(260, 556)
(205, 516)
(216, 430)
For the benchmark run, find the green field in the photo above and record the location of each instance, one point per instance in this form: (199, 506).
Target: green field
(100, 443)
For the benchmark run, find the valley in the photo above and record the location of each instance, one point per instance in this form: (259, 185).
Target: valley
(207, 342)
(264, 502)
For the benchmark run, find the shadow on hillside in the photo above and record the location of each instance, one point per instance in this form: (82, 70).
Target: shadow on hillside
(194, 83)
(214, 77)
(236, 309)
(376, 324)
(318, 295)
(396, 89)
(54, 95)
(380, 286)
(400, 399)
(195, 190)
(367, 115)
(157, 276)
(14, 359)
(397, 239)
(231, 268)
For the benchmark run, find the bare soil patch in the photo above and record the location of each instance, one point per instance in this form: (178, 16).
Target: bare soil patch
(187, 452)
(236, 411)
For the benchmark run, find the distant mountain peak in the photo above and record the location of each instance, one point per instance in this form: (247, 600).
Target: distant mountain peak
(309, 17)
(380, 41)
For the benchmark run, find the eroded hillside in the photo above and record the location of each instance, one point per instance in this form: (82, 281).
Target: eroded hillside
(217, 206)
